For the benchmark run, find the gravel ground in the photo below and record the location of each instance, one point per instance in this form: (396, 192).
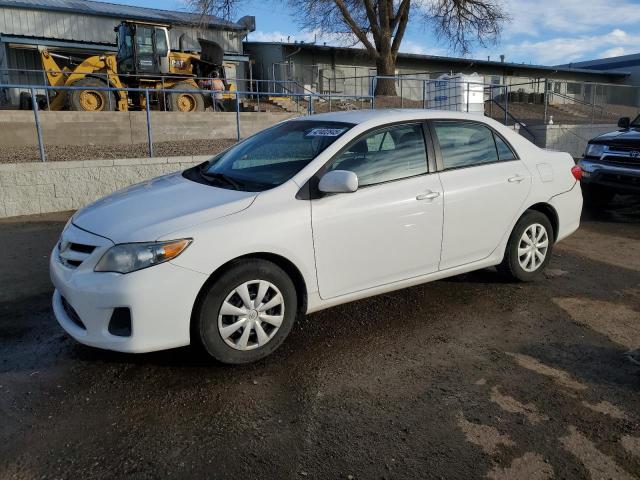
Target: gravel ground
(464, 378)
(60, 153)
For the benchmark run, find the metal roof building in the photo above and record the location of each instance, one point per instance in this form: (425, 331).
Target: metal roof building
(349, 69)
(623, 63)
(85, 27)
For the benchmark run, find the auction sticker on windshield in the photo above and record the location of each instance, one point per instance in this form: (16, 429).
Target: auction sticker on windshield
(326, 132)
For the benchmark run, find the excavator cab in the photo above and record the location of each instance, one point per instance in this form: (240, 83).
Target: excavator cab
(143, 49)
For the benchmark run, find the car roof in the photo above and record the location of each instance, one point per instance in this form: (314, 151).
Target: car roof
(384, 116)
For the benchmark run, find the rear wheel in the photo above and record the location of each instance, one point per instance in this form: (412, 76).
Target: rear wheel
(185, 102)
(89, 99)
(597, 196)
(247, 313)
(529, 248)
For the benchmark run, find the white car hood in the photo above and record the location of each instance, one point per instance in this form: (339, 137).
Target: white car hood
(149, 210)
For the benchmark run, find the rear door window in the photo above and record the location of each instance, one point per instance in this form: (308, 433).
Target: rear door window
(465, 144)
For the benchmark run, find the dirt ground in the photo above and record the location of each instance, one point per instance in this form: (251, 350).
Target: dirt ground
(465, 378)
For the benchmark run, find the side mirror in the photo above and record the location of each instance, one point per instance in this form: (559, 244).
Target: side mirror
(624, 122)
(338, 181)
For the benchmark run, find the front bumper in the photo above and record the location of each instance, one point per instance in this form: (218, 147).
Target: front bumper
(616, 177)
(160, 300)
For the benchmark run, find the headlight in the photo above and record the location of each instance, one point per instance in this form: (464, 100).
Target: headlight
(594, 150)
(129, 257)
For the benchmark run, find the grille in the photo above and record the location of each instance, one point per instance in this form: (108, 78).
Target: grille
(78, 247)
(72, 314)
(73, 254)
(622, 148)
(621, 161)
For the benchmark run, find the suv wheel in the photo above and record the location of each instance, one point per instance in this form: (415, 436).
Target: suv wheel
(529, 248)
(247, 312)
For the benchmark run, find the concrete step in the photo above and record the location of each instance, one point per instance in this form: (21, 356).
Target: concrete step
(265, 105)
(285, 103)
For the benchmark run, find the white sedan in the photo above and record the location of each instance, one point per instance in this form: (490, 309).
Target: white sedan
(308, 214)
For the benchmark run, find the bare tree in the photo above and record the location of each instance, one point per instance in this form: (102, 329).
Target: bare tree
(380, 25)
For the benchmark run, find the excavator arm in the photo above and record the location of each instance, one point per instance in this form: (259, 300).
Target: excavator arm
(103, 67)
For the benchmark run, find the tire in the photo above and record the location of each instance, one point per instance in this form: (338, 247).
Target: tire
(515, 266)
(25, 101)
(90, 100)
(596, 196)
(185, 102)
(237, 346)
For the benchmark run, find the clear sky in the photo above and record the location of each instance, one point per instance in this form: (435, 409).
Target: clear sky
(546, 32)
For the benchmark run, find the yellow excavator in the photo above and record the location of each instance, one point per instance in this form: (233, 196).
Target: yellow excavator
(143, 60)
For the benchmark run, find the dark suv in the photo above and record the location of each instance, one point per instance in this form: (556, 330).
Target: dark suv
(611, 164)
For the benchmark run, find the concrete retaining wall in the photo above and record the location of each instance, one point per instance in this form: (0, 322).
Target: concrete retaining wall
(17, 128)
(30, 188)
(567, 138)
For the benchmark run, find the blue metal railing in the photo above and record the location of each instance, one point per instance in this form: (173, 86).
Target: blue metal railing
(310, 97)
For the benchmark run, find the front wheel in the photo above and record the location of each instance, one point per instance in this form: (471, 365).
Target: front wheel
(90, 99)
(247, 312)
(529, 248)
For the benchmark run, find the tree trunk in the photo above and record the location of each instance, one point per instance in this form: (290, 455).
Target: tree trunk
(386, 66)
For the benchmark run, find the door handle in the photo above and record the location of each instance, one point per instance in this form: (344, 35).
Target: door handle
(428, 195)
(516, 179)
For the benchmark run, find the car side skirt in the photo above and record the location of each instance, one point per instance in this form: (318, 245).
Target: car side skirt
(315, 303)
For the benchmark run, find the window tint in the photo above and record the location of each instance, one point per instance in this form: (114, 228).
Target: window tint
(125, 42)
(144, 39)
(385, 155)
(464, 144)
(504, 152)
(161, 42)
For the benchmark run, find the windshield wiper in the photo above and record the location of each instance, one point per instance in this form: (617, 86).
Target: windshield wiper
(221, 177)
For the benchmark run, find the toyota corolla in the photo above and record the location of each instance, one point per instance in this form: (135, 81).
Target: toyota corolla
(308, 214)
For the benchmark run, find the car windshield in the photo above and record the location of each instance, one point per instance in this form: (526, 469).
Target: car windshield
(273, 156)
(636, 123)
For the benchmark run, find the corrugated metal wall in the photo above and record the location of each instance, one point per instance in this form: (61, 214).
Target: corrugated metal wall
(4, 76)
(93, 29)
(231, 42)
(20, 58)
(14, 59)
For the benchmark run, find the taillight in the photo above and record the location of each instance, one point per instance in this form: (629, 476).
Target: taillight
(576, 171)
